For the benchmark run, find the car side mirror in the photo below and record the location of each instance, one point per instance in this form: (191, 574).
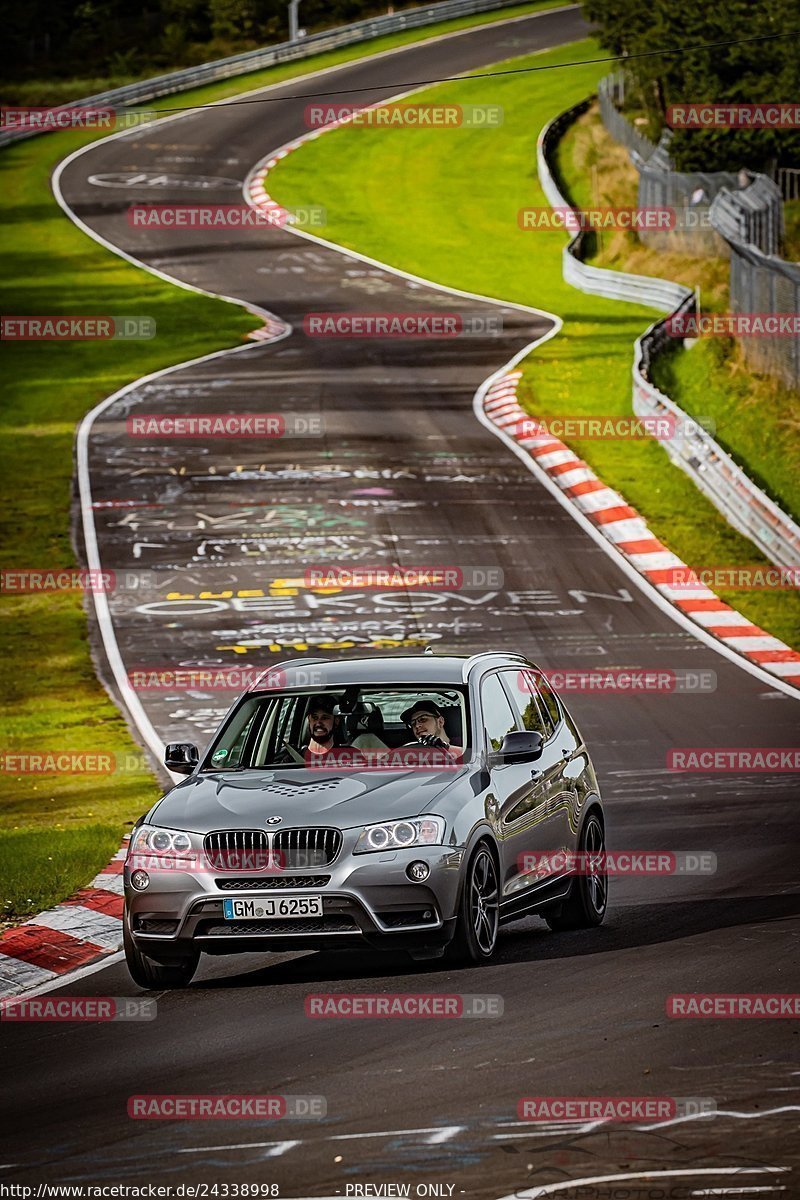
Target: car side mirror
(523, 745)
(181, 758)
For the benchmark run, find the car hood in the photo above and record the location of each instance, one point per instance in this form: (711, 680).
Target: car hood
(232, 800)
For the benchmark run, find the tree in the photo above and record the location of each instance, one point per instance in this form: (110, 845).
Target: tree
(765, 71)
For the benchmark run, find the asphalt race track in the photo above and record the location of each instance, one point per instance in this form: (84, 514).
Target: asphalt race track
(403, 472)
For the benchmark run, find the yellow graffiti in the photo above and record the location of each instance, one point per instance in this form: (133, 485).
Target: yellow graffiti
(278, 587)
(377, 643)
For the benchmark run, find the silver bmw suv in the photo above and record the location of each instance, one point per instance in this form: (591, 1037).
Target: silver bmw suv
(408, 803)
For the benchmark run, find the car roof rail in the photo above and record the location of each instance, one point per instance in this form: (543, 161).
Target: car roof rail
(474, 658)
(286, 662)
(295, 662)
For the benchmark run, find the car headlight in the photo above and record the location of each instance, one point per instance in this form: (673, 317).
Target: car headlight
(150, 840)
(400, 835)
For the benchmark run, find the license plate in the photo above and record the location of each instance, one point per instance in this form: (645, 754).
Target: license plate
(271, 907)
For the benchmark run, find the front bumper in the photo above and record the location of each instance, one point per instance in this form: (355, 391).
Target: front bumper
(367, 900)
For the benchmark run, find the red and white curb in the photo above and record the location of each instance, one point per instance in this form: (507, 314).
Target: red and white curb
(81, 931)
(271, 329)
(622, 526)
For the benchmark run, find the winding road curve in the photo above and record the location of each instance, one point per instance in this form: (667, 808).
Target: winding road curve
(403, 472)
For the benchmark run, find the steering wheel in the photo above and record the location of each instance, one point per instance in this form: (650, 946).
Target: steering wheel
(293, 753)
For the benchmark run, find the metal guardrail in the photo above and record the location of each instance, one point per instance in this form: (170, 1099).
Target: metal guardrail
(744, 505)
(752, 214)
(714, 472)
(283, 52)
(597, 281)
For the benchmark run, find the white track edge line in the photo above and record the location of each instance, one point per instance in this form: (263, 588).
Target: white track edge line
(549, 1189)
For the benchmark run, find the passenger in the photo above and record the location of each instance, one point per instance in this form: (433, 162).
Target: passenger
(425, 721)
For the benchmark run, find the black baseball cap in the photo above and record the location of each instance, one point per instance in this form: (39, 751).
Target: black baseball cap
(426, 706)
(325, 702)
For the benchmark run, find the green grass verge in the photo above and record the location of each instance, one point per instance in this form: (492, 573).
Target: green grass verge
(450, 215)
(37, 868)
(49, 695)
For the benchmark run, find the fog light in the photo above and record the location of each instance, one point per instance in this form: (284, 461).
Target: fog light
(140, 880)
(418, 872)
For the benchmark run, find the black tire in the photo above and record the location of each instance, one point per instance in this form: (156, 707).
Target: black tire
(479, 911)
(585, 905)
(154, 975)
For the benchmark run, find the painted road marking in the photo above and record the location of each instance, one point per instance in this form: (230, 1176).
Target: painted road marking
(550, 1189)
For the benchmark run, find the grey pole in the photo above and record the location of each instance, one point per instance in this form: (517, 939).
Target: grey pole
(293, 26)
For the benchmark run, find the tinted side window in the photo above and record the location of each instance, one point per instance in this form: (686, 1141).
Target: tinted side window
(549, 698)
(523, 692)
(498, 719)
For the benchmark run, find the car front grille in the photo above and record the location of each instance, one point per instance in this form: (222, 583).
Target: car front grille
(297, 848)
(290, 849)
(273, 881)
(238, 850)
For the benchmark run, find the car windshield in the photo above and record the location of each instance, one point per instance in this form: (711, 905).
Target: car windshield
(287, 729)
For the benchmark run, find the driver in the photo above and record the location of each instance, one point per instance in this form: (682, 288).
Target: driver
(425, 721)
(321, 724)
